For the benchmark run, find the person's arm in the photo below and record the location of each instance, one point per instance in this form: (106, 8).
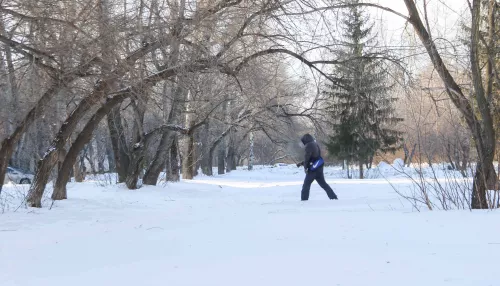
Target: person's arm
(300, 164)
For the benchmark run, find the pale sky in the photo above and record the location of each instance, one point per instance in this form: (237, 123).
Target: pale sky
(445, 18)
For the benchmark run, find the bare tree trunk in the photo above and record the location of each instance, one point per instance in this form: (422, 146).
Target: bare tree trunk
(86, 135)
(347, 168)
(198, 155)
(90, 157)
(110, 157)
(206, 160)
(9, 143)
(162, 153)
(167, 138)
(160, 158)
(100, 152)
(231, 152)
(20, 152)
(251, 153)
(12, 81)
(78, 170)
(47, 163)
(173, 162)
(231, 158)
(134, 169)
(138, 150)
(221, 158)
(450, 159)
(35, 113)
(214, 146)
(361, 172)
(407, 154)
(42, 176)
(188, 163)
(50, 158)
(485, 170)
(483, 132)
(118, 143)
(82, 139)
(412, 154)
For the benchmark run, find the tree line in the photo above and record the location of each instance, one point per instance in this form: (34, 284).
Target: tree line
(145, 87)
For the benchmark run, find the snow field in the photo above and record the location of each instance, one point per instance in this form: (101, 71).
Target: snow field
(246, 228)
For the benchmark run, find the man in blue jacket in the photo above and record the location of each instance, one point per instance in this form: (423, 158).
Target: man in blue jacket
(313, 167)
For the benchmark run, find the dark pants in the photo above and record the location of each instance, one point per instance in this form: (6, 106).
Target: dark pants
(320, 178)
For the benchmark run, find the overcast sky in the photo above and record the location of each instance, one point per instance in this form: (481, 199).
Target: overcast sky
(445, 19)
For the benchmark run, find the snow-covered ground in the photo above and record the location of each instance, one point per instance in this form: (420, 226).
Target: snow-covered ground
(245, 228)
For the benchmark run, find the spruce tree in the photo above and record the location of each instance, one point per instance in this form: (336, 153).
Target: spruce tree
(361, 105)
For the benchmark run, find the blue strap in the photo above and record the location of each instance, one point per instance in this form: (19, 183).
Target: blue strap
(316, 164)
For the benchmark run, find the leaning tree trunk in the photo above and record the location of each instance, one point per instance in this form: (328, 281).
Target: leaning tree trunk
(162, 152)
(35, 195)
(101, 89)
(165, 148)
(48, 161)
(44, 168)
(159, 161)
(9, 143)
(482, 131)
(38, 110)
(82, 139)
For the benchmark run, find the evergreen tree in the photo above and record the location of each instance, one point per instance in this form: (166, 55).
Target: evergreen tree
(360, 103)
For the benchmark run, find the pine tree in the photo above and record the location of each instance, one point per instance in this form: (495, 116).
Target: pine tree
(360, 103)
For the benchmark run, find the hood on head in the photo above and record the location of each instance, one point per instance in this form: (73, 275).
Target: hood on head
(307, 138)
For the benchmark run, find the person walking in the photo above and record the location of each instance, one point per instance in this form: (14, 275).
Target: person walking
(313, 166)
